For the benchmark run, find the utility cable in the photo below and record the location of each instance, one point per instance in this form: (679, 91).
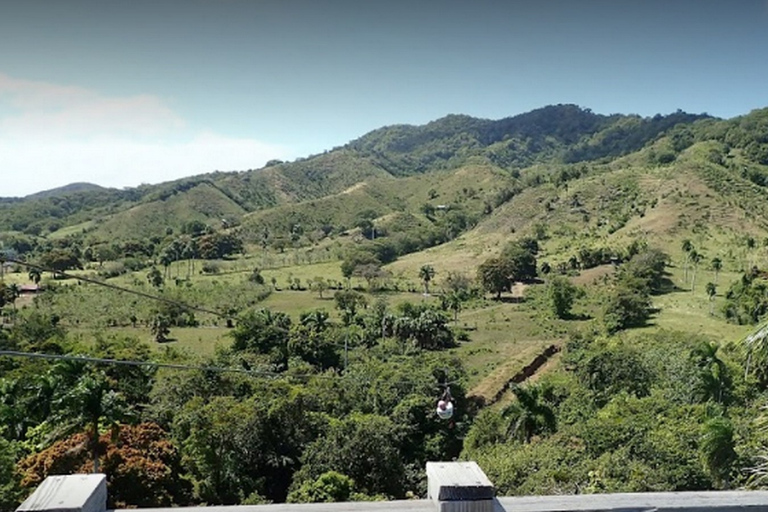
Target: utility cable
(174, 366)
(121, 289)
(151, 364)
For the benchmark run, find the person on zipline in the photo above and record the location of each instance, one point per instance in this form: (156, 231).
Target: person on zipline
(445, 405)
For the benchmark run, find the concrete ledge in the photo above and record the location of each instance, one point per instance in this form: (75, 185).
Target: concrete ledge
(459, 487)
(458, 481)
(707, 501)
(70, 493)
(729, 501)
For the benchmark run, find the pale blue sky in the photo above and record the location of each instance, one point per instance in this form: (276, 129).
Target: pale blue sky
(124, 92)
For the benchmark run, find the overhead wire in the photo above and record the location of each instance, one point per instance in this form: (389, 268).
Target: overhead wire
(150, 296)
(128, 362)
(255, 373)
(203, 368)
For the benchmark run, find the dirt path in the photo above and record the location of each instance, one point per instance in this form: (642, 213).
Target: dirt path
(542, 361)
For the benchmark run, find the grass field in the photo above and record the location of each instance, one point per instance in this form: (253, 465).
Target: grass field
(195, 340)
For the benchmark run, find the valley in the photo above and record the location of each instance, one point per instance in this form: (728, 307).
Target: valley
(583, 282)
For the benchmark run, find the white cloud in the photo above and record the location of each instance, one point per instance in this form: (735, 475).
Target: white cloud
(53, 135)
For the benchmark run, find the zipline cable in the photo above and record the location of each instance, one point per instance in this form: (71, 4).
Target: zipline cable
(120, 288)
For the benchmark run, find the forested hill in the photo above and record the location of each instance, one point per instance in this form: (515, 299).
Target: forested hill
(553, 135)
(565, 133)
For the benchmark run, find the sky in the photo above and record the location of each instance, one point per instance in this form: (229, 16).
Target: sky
(120, 93)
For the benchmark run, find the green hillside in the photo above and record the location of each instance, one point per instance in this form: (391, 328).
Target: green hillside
(586, 283)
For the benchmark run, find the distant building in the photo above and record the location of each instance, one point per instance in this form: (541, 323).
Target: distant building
(30, 289)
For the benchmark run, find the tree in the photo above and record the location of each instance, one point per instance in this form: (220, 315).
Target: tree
(160, 328)
(426, 273)
(155, 278)
(495, 276)
(521, 258)
(319, 285)
(714, 382)
(365, 447)
(348, 302)
(687, 247)
(370, 272)
(84, 405)
(717, 450)
(560, 294)
(626, 307)
(35, 275)
(143, 467)
(426, 328)
(9, 294)
(60, 260)
(355, 259)
(330, 487)
(717, 266)
(256, 277)
(10, 491)
(711, 289)
(263, 332)
(529, 414)
(695, 258)
(453, 301)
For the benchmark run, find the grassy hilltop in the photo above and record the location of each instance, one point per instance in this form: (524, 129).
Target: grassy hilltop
(574, 273)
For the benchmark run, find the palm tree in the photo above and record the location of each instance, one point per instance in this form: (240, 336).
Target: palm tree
(715, 381)
(316, 320)
(717, 450)
(756, 345)
(717, 266)
(529, 415)
(695, 259)
(13, 293)
(35, 275)
(453, 302)
(711, 292)
(426, 273)
(687, 248)
(166, 258)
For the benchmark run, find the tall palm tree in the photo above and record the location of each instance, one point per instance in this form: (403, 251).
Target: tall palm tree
(426, 273)
(687, 247)
(695, 258)
(711, 292)
(529, 414)
(13, 293)
(35, 275)
(717, 266)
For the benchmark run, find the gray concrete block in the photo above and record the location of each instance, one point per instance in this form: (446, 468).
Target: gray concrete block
(459, 487)
(69, 493)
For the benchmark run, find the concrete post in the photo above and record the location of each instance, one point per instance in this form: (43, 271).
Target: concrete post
(459, 487)
(69, 493)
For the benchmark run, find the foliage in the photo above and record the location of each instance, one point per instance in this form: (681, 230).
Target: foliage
(10, 491)
(628, 304)
(143, 468)
(561, 295)
(629, 417)
(747, 299)
(329, 487)
(365, 447)
(529, 415)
